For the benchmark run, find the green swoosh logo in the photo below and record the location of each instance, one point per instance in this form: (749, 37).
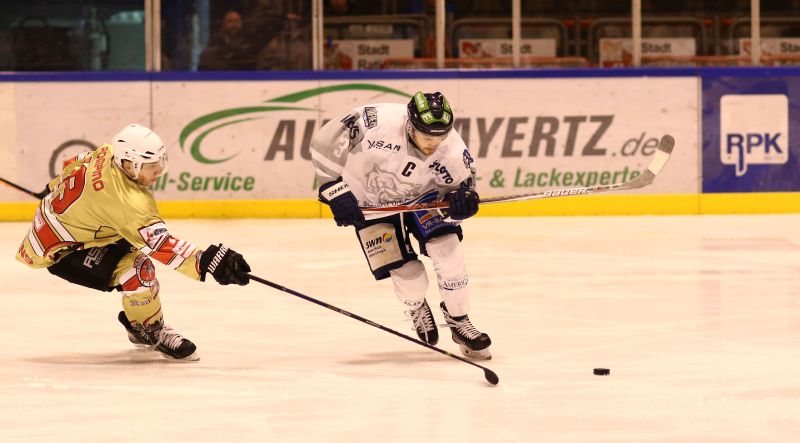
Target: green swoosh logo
(214, 116)
(195, 151)
(206, 119)
(302, 95)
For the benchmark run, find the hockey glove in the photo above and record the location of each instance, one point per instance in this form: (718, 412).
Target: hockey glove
(463, 203)
(226, 265)
(343, 203)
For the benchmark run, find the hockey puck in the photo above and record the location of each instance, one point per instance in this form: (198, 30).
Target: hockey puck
(601, 371)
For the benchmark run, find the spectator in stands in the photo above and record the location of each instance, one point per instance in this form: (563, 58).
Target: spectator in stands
(428, 8)
(281, 33)
(265, 19)
(290, 49)
(337, 7)
(228, 49)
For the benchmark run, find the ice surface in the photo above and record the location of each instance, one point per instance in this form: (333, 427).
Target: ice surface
(697, 317)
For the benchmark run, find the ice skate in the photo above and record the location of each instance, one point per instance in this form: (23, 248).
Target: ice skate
(161, 338)
(174, 345)
(137, 337)
(424, 324)
(473, 343)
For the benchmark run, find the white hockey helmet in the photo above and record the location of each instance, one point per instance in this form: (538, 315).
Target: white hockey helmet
(139, 145)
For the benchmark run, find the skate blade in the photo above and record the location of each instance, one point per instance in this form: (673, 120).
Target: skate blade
(193, 357)
(138, 344)
(483, 354)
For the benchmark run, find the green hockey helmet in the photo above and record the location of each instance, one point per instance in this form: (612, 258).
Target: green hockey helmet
(430, 114)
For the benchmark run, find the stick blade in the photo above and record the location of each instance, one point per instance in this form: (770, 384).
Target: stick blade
(491, 377)
(665, 147)
(660, 159)
(666, 144)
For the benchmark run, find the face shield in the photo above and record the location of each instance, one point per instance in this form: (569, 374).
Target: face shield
(149, 172)
(426, 143)
(155, 169)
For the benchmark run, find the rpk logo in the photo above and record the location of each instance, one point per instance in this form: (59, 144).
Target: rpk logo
(754, 130)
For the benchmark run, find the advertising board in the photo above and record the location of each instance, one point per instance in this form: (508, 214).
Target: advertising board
(750, 133)
(249, 140)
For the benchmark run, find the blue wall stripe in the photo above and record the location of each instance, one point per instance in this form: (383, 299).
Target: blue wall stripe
(350, 75)
(129, 76)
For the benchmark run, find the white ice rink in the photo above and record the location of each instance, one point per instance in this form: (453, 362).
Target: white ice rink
(697, 317)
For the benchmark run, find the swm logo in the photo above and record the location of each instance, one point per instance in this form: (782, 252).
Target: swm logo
(385, 238)
(754, 130)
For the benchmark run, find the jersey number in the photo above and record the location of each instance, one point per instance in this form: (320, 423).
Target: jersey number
(69, 190)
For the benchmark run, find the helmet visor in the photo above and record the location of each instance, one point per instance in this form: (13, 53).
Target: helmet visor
(157, 168)
(427, 143)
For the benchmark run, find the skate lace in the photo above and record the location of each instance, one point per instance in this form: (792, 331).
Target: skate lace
(464, 327)
(422, 319)
(169, 338)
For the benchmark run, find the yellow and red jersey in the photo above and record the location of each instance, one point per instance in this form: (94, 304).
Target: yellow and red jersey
(94, 203)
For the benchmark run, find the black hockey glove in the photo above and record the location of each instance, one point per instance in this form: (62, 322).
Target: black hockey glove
(226, 265)
(463, 203)
(343, 203)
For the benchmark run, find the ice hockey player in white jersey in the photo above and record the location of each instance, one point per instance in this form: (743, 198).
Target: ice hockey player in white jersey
(99, 227)
(390, 154)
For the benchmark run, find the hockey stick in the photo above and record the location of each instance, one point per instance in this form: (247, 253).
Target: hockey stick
(491, 377)
(39, 195)
(656, 164)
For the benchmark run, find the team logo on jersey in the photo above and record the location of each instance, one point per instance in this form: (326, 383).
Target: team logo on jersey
(141, 277)
(468, 160)
(442, 172)
(388, 187)
(370, 117)
(145, 271)
(154, 234)
(349, 122)
(380, 144)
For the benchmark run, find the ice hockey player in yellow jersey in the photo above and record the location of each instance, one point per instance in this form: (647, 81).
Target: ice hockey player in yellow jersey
(99, 227)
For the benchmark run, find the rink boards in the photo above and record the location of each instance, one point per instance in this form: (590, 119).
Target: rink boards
(239, 142)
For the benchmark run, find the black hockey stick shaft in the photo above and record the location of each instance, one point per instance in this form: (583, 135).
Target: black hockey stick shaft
(38, 195)
(660, 158)
(491, 377)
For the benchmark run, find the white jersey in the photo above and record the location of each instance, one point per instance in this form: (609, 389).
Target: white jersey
(369, 148)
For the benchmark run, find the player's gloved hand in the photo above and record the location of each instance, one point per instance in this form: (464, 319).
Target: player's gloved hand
(342, 202)
(463, 203)
(226, 265)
